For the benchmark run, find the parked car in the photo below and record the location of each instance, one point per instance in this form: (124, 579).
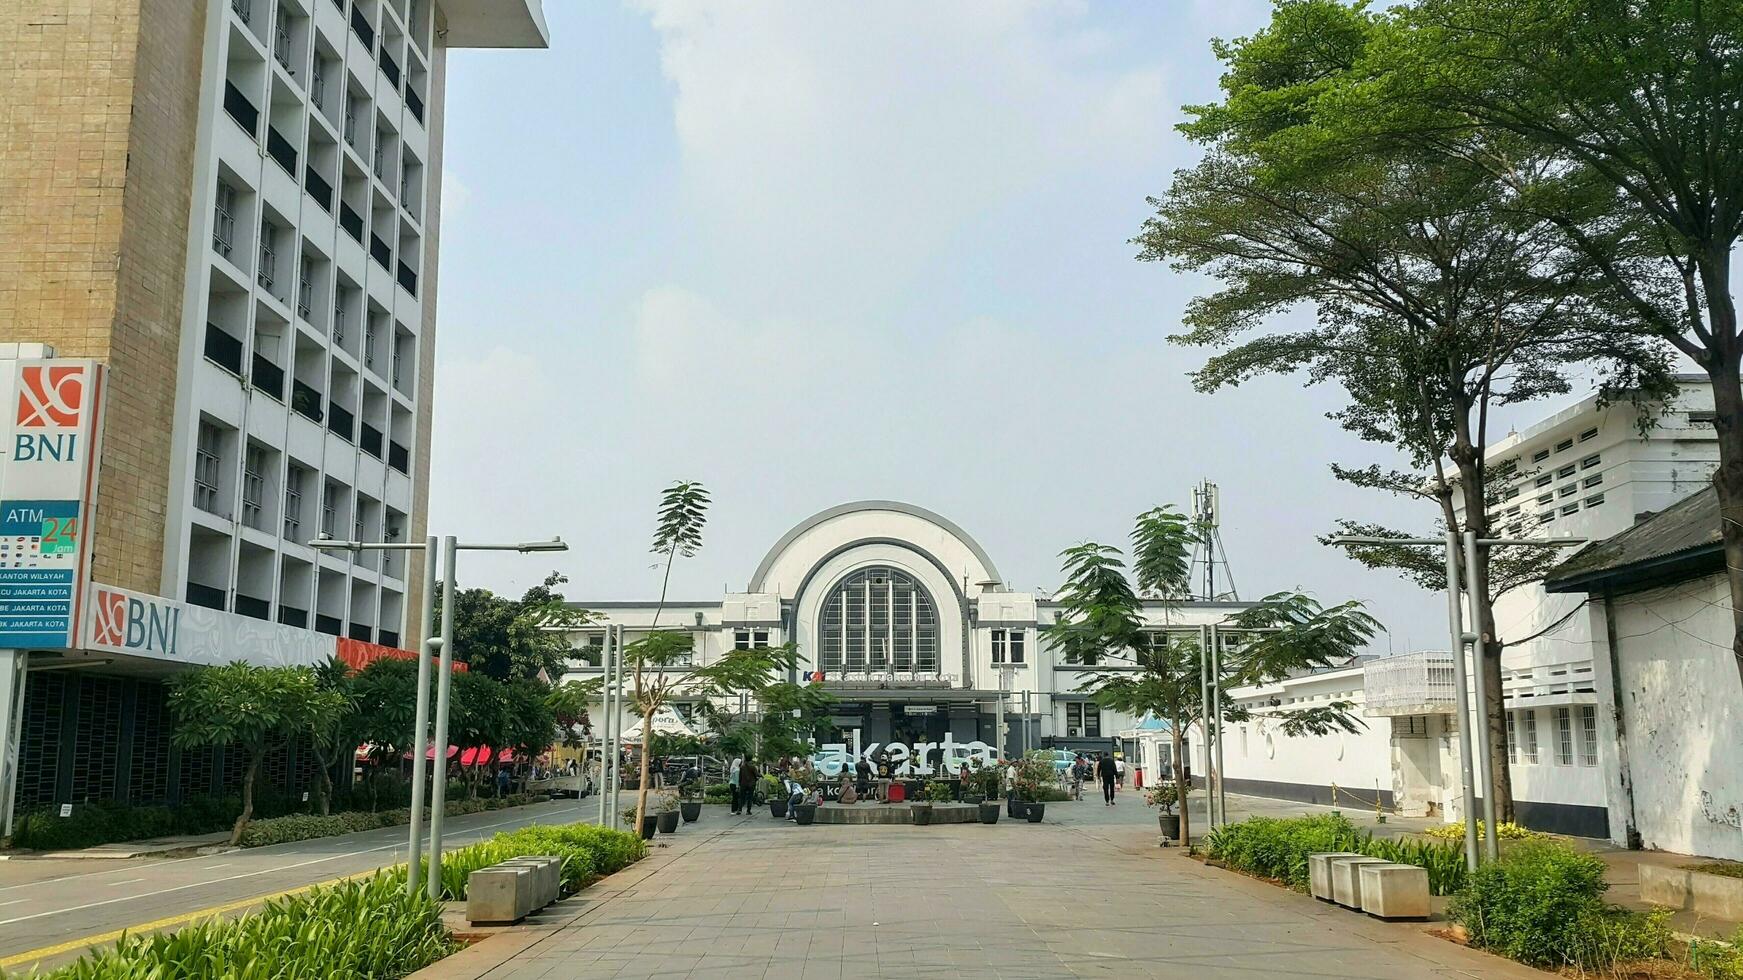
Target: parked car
(1062, 759)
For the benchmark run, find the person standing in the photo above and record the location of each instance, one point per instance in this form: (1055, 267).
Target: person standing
(1109, 774)
(1079, 772)
(732, 779)
(1120, 768)
(747, 783)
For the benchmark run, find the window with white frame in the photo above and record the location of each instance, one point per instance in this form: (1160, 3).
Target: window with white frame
(305, 286)
(268, 257)
(208, 468)
(1588, 735)
(1529, 720)
(224, 218)
(750, 639)
(330, 509)
(318, 83)
(293, 502)
(281, 37)
(253, 485)
(1512, 738)
(1082, 719)
(1008, 645)
(1564, 737)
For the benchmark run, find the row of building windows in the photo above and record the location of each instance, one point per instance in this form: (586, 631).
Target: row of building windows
(1574, 735)
(1008, 646)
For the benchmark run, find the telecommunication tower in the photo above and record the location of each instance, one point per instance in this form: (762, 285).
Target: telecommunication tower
(1208, 552)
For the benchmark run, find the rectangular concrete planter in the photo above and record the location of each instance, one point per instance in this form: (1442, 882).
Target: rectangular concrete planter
(1319, 872)
(1716, 895)
(508, 892)
(1394, 891)
(1346, 882)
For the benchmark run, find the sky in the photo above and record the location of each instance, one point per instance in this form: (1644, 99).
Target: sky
(807, 253)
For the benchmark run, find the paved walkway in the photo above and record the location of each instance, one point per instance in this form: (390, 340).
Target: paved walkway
(1087, 893)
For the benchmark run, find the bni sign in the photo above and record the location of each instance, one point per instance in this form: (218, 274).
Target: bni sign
(51, 414)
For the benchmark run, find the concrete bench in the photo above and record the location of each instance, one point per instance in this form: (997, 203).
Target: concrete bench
(1346, 885)
(1319, 872)
(1394, 891)
(506, 893)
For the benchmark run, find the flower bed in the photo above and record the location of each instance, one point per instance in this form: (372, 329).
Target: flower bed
(588, 853)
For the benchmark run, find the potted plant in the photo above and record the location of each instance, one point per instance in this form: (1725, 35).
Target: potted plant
(1166, 796)
(690, 802)
(665, 808)
(1030, 775)
(775, 794)
(989, 811)
(649, 822)
(939, 791)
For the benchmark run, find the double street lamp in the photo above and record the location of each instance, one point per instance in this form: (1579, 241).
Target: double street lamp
(444, 646)
(1471, 774)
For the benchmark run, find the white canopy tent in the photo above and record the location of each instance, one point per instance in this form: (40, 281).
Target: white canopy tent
(666, 722)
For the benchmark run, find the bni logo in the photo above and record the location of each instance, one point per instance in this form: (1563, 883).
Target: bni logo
(51, 395)
(111, 625)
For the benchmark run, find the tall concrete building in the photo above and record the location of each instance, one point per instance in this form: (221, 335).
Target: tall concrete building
(233, 205)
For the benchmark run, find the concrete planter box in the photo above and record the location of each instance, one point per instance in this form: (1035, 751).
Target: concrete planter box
(1719, 896)
(1319, 873)
(1346, 881)
(1394, 891)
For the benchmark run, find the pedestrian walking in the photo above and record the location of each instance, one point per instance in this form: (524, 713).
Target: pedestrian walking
(747, 784)
(1109, 774)
(1120, 769)
(1079, 772)
(732, 780)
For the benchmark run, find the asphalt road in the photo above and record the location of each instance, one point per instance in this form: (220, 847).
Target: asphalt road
(50, 910)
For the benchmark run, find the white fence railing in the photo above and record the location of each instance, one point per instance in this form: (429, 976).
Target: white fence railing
(1410, 684)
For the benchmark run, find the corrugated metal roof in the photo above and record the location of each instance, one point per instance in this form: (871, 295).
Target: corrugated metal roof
(1668, 540)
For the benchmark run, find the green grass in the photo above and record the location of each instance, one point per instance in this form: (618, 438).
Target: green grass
(1729, 869)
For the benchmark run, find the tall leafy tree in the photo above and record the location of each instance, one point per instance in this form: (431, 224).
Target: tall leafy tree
(250, 708)
(332, 724)
(683, 512)
(1624, 112)
(516, 638)
(1437, 298)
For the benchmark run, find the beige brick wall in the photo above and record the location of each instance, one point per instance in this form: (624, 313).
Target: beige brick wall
(97, 128)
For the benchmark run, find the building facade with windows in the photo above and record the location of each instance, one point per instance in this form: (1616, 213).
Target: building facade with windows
(903, 617)
(234, 207)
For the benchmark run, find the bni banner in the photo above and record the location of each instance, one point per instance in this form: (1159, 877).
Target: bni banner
(51, 413)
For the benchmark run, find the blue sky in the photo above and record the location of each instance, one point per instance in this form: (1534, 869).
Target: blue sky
(809, 253)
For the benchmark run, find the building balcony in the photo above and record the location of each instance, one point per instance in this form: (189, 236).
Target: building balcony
(318, 188)
(389, 67)
(351, 221)
(408, 280)
(341, 422)
(330, 625)
(361, 27)
(399, 457)
(267, 377)
(237, 106)
(292, 616)
(247, 605)
(223, 349)
(1409, 684)
(306, 401)
(369, 440)
(415, 103)
(380, 252)
(281, 151)
(205, 595)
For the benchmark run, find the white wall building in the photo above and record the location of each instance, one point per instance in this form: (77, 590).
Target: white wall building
(911, 626)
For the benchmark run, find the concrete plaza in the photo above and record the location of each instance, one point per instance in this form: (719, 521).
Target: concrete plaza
(1086, 893)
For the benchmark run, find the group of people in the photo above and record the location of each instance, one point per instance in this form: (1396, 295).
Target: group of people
(1102, 767)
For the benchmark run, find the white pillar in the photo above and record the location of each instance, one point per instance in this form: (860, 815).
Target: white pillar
(12, 681)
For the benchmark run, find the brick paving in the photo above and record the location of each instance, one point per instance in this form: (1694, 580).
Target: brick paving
(1086, 894)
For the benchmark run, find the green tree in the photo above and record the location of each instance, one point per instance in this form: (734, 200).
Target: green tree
(683, 512)
(386, 693)
(478, 719)
(568, 703)
(247, 707)
(663, 665)
(792, 714)
(1633, 110)
(333, 724)
(510, 639)
(1438, 298)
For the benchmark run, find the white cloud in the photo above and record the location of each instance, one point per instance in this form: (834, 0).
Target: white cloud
(832, 147)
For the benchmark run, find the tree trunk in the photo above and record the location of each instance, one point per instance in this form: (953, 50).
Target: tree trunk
(247, 795)
(641, 793)
(325, 787)
(1468, 457)
(1180, 783)
(1728, 478)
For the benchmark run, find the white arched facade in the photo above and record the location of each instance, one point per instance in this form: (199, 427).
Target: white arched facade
(991, 641)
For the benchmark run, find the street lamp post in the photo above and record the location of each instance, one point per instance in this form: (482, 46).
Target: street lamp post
(1471, 769)
(445, 646)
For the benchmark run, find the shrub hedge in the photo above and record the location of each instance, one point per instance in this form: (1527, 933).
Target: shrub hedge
(1278, 849)
(365, 928)
(283, 830)
(588, 853)
(1542, 904)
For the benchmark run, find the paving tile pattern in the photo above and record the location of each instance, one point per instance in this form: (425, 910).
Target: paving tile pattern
(1077, 896)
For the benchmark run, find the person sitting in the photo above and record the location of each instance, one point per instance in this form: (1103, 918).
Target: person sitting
(848, 794)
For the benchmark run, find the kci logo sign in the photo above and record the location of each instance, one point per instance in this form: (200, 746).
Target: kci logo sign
(51, 396)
